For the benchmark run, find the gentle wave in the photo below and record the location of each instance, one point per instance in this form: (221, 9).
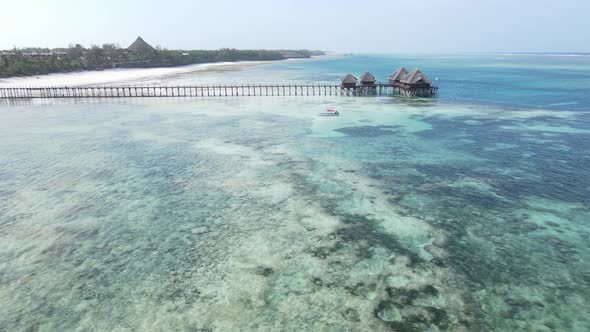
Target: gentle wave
(565, 104)
(550, 54)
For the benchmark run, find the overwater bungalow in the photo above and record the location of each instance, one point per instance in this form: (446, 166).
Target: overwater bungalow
(416, 79)
(368, 80)
(413, 83)
(349, 81)
(398, 75)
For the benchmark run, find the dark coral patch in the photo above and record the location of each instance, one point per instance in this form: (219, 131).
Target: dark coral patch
(369, 131)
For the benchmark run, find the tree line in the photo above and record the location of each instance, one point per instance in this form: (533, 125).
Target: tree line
(38, 61)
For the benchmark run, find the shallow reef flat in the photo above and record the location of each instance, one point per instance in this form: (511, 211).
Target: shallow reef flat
(228, 215)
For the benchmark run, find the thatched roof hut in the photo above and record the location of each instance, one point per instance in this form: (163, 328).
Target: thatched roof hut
(398, 75)
(416, 77)
(368, 79)
(140, 45)
(349, 81)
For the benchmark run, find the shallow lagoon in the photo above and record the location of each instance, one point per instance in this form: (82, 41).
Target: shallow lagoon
(254, 213)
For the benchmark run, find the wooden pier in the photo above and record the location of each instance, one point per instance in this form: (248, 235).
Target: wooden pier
(211, 91)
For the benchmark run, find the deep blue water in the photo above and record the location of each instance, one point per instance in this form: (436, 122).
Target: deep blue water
(535, 81)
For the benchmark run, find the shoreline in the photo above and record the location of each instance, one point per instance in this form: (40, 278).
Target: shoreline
(124, 75)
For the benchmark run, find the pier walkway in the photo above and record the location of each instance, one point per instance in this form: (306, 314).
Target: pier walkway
(210, 91)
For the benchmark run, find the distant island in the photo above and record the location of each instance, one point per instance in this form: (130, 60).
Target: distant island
(140, 54)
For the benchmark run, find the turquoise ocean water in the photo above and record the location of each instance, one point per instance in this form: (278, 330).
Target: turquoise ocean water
(470, 212)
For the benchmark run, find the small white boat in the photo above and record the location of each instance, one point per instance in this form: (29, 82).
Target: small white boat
(330, 112)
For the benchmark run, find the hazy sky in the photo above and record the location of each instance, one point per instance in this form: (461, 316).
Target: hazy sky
(370, 26)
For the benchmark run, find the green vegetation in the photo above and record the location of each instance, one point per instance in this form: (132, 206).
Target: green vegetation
(37, 61)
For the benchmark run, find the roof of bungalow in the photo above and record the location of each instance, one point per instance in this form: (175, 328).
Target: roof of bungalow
(349, 79)
(399, 74)
(414, 77)
(140, 45)
(368, 78)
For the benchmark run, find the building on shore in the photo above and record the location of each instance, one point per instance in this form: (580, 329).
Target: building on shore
(39, 55)
(140, 46)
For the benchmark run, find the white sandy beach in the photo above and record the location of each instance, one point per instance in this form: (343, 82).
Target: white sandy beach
(117, 76)
(124, 76)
